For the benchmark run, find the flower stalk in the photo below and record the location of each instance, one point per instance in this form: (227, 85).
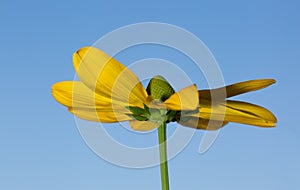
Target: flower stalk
(163, 156)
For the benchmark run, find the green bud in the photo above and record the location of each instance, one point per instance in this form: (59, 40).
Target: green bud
(159, 88)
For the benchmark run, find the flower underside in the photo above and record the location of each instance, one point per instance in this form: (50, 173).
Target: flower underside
(109, 92)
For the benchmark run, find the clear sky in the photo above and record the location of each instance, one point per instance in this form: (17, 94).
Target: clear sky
(41, 147)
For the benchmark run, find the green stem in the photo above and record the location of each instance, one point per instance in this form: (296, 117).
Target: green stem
(163, 156)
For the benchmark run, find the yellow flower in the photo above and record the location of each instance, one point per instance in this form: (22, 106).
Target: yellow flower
(109, 92)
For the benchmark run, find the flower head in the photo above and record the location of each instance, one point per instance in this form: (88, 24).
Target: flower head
(109, 92)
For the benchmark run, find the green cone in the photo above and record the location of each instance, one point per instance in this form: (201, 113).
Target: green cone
(159, 88)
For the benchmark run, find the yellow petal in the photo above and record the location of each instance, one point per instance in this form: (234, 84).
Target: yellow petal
(253, 109)
(143, 125)
(99, 116)
(238, 112)
(108, 77)
(206, 124)
(236, 89)
(185, 99)
(75, 93)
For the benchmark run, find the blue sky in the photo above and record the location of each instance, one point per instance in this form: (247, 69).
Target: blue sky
(41, 147)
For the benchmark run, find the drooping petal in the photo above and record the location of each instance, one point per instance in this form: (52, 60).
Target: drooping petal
(99, 116)
(108, 77)
(185, 99)
(236, 89)
(76, 94)
(143, 125)
(253, 109)
(205, 124)
(236, 111)
(86, 104)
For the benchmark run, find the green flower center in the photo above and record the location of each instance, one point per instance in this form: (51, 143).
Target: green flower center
(160, 90)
